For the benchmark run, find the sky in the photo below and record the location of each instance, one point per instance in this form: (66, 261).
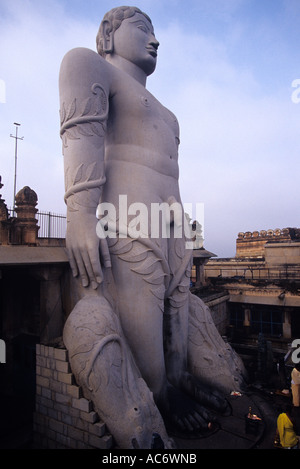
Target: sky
(228, 69)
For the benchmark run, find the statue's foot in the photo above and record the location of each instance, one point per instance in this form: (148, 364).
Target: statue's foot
(205, 395)
(182, 413)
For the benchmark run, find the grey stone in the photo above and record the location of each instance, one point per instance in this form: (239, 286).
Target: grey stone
(143, 349)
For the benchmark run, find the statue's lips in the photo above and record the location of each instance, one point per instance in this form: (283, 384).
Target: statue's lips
(152, 51)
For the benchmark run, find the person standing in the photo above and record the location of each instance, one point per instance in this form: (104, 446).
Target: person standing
(295, 383)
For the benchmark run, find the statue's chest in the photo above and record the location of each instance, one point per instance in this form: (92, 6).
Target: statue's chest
(139, 105)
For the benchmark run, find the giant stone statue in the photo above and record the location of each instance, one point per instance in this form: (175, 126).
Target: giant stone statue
(143, 348)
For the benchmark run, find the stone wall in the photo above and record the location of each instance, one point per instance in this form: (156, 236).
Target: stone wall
(252, 244)
(284, 254)
(219, 311)
(63, 419)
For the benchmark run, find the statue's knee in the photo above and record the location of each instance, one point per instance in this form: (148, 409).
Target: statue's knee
(91, 319)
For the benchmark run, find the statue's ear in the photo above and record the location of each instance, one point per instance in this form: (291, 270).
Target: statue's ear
(108, 37)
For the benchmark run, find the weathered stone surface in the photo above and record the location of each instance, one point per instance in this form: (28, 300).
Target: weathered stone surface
(136, 328)
(63, 419)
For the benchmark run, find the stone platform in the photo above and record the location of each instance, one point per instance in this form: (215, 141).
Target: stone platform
(64, 419)
(231, 431)
(16, 432)
(67, 420)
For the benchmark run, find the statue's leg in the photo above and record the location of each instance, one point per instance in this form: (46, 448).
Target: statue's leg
(176, 339)
(103, 366)
(140, 307)
(186, 318)
(140, 283)
(209, 357)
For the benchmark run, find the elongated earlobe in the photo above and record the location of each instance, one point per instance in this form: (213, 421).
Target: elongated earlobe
(108, 38)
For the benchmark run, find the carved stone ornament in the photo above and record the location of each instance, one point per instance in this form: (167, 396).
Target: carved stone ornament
(82, 120)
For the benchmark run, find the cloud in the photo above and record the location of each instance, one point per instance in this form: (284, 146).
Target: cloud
(33, 43)
(239, 151)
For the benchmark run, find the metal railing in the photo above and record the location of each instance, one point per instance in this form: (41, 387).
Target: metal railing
(280, 272)
(52, 225)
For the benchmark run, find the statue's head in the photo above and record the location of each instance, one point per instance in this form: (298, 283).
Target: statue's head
(112, 20)
(127, 32)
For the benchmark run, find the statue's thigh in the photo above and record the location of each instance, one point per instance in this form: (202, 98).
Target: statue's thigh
(139, 277)
(140, 287)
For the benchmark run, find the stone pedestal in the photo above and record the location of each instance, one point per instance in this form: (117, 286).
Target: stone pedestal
(200, 258)
(26, 228)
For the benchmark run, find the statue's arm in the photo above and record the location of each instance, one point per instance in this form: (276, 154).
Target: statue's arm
(84, 92)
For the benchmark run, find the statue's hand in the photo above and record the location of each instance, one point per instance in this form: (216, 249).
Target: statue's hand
(85, 248)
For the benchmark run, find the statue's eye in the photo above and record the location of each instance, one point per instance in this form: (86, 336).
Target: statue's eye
(143, 28)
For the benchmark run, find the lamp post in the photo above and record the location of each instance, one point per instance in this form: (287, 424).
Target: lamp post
(16, 156)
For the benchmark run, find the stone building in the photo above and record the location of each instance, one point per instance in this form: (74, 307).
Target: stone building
(41, 405)
(32, 307)
(263, 283)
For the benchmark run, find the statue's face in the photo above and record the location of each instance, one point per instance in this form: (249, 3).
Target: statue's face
(135, 41)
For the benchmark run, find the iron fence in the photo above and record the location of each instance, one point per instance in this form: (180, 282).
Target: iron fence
(52, 225)
(279, 272)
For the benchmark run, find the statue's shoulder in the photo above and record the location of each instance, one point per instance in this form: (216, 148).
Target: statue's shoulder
(83, 61)
(82, 57)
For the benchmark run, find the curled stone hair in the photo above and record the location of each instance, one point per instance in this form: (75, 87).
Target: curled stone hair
(114, 18)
